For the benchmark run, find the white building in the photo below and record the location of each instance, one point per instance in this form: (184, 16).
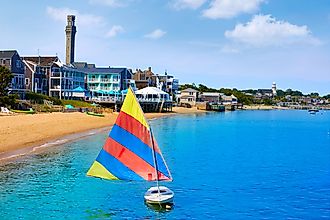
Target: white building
(152, 94)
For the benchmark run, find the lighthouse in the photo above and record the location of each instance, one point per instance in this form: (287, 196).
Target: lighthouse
(274, 88)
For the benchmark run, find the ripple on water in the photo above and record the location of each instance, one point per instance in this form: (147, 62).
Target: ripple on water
(238, 165)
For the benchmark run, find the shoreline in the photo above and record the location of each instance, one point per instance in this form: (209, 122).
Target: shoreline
(264, 107)
(26, 134)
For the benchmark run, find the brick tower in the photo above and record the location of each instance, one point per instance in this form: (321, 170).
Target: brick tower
(70, 31)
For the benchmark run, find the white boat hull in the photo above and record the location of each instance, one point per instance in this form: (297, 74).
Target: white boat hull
(163, 196)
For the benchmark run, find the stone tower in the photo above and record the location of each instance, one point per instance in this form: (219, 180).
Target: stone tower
(70, 31)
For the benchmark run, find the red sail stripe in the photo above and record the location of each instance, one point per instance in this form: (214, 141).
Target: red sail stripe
(134, 127)
(132, 161)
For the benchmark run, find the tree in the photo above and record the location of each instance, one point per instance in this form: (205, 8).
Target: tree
(186, 86)
(314, 95)
(5, 80)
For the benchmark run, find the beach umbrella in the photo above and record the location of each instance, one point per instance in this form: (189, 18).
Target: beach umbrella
(124, 91)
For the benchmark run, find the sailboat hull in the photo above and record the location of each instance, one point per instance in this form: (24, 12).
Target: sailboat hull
(162, 196)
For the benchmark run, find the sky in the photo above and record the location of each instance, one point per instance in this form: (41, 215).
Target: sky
(219, 43)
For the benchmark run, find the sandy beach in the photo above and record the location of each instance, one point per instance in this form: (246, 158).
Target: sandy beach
(23, 131)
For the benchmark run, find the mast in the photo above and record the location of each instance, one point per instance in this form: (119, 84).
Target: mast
(154, 157)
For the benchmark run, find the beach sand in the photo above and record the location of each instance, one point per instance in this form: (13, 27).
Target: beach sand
(23, 131)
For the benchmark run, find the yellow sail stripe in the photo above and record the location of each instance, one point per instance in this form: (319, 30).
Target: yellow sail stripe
(132, 107)
(98, 170)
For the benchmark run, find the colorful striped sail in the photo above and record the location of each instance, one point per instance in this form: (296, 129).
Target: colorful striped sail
(128, 151)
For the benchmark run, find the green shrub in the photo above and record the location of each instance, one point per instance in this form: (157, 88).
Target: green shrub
(39, 98)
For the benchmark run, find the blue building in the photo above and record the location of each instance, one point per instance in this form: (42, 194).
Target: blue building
(105, 84)
(12, 60)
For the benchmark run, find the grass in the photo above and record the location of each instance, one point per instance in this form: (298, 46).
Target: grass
(77, 104)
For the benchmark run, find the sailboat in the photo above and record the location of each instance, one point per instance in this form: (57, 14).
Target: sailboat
(131, 153)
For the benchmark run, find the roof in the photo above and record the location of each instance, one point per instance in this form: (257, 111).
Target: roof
(215, 94)
(149, 90)
(79, 89)
(265, 90)
(80, 64)
(102, 69)
(189, 90)
(44, 61)
(7, 53)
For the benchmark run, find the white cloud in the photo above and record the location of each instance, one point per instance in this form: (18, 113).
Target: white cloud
(264, 30)
(230, 8)
(110, 3)
(60, 14)
(156, 34)
(192, 4)
(115, 30)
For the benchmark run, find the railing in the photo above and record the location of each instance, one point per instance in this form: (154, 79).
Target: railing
(93, 80)
(153, 100)
(106, 99)
(94, 88)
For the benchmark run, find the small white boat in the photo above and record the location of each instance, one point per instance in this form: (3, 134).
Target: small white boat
(159, 195)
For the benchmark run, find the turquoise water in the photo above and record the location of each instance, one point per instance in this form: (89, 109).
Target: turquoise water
(235, 165)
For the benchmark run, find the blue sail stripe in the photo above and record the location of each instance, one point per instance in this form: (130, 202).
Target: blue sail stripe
(115, 167)
(135, 145)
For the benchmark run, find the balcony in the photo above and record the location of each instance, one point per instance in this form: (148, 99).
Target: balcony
(94, 88)
(93, 80)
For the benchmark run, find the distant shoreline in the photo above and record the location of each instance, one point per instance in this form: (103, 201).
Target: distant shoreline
(24, 134)
(264, 107)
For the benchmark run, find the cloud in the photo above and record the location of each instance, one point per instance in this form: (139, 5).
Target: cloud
(156, 34)
(115, 30)
(191, 4)
(222, 9)
(264, 30)
(60, 14)
(110, 3)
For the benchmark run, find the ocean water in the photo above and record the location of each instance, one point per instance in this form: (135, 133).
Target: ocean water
(233, 165)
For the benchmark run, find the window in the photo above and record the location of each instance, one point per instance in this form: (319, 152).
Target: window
(18, 64)
(27, 81)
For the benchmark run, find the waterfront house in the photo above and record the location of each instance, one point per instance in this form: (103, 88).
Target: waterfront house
(167, 83)
(188, 96)
(152, 94)
(12, 60)
(144, 78)
(213, 97)
(105, 83)
(64, 79)
(37, 73)
(264, 93)
(153, 99)
(147, 78)
(229, 100)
